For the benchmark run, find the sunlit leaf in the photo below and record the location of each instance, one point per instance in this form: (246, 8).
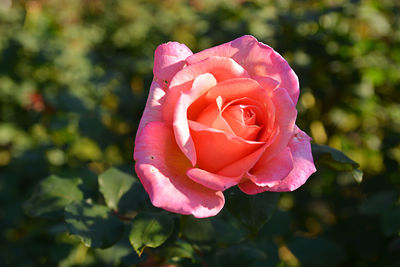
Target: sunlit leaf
(113, 184)
(95, 225)
(150, 230)
(180, 249)
(51, 195)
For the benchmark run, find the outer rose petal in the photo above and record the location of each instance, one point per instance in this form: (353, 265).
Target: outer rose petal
(212, 180)
(161, 167)
(221, 67)
(273, 171)
(153, 109)
(258, 59)
(169, 58)
(237, 88)
(303, 167)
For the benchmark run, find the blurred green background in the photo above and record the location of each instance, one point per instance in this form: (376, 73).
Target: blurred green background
(74, 77)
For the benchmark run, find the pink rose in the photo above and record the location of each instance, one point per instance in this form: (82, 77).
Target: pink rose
(222, 117)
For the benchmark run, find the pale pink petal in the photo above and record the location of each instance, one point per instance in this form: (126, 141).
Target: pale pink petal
(153, 109)
(161, 167)
(216, 149)
(258, 59)
(272, 172)
(169, 58)
(174, 93)
(303, 163)
(267, 83)
(212, 180)
(303, 167)
(251, 189)
(236, 88)
(285, 117)
(222, 68)
(201, 84)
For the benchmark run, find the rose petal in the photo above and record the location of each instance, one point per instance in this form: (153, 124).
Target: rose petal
(303, 167)
(180, 123)
(243, 126)
(267, 83)
(237, 88)
(303, 163)
(220, 68)
(212, 180)
(212, 117)
(285, 117)
(169, 58)
(161, 167)
(153, 109)
(216, 149)
(273, 171)
(243, 165)
(258, 59)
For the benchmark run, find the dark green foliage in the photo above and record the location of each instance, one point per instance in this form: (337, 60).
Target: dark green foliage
(252, 211)
(333, 158)
(316, 251)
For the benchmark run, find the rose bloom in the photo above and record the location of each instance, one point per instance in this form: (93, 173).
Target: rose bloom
(219, 118)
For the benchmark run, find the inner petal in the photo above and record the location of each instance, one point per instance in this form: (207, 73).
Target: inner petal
(211, 116)
(242, 119)
(216, 149)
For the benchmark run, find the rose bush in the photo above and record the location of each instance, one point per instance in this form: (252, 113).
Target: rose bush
(215, 119)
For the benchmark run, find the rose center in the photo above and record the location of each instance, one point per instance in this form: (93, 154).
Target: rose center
(243, 114)
(235, 117)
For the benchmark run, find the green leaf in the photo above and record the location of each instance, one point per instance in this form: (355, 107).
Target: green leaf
(180, 249)
(51, 195)
(197, 230)
(150, 230)
(253, 211)
(333, 158)
(95, 225)
(119, 254)
(227, 231)
(316, 251)
(113, 184)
